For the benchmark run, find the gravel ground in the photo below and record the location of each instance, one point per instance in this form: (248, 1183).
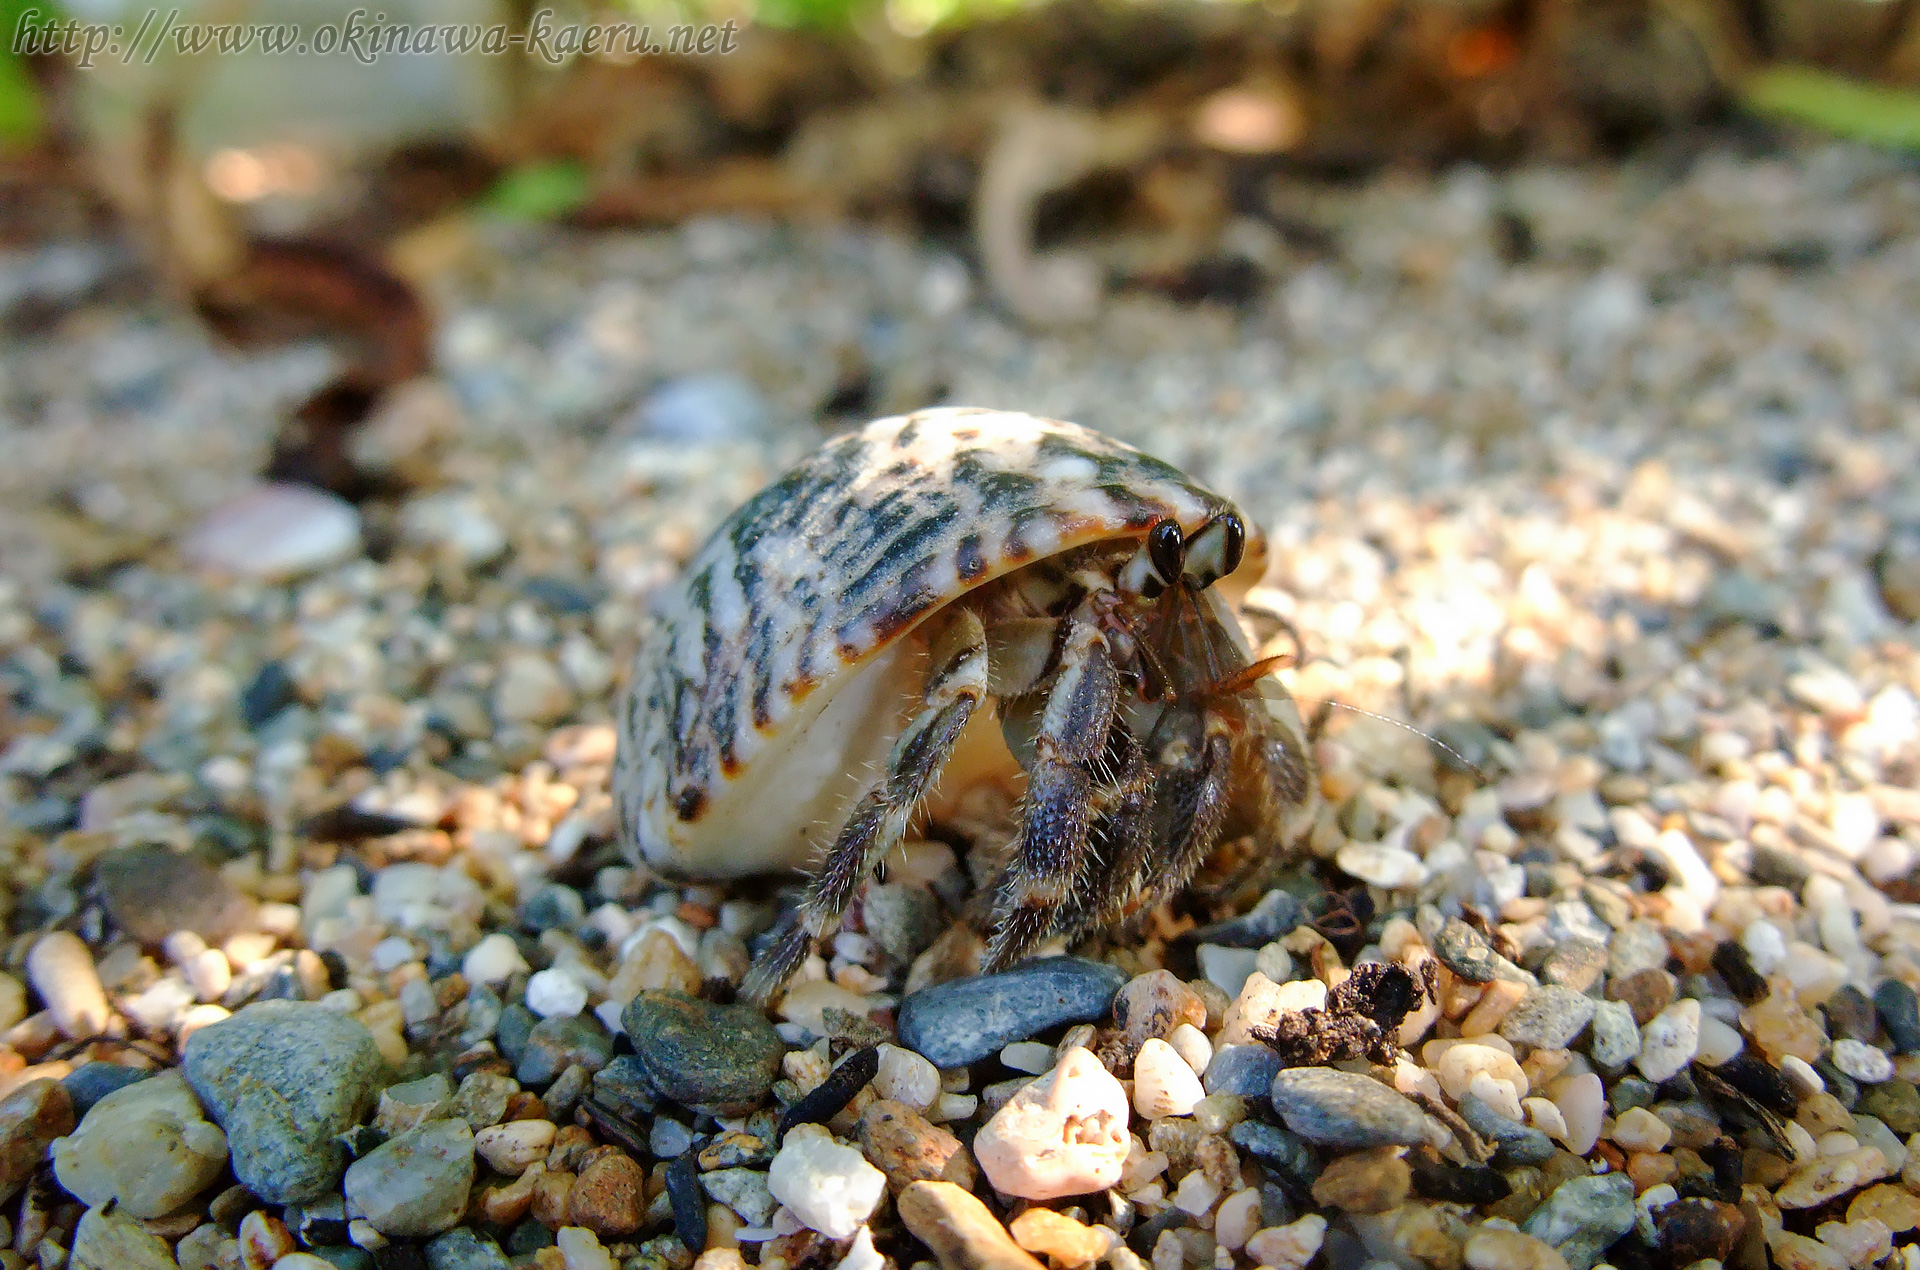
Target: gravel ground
(1605, 478)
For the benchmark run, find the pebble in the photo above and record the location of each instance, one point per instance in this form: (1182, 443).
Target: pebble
(107, 1239)
(1862, 1061)
(1375, 1181)
(743, 1190)
(1720, 1042)
(908, 1148)
(1828, 1176)
(275, 531)
(1063, 1134)
(704, 410)
(509, 1148)
(1344, 1109)
(580, 1249)
(557, 1043)
(702, 1055)
(1289, 1247)
(1246, 1071)
(495, 959)
(828, 1187)
(1154, 1004)
(1692, 1230)
(1227, 968)
(1641, 1130)
(1899, 1010)
(1064, 1241)
(907, 1078)
(610, 1197)
(1490, 1249)
(284, 1079)
(1163, 1082)
(1381, 865)
(31, 1117)
(1613, 1038)
(965, 1020)
(415, 1184)
(1670, 1041)
(1581, 1101)
(1548, 1017)
(462, 1249)
(1583, 1217)
(151, 891)
(960, 1230)
(147, 1149)
(60, 968)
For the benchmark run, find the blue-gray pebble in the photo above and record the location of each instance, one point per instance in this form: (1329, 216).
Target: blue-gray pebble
(284, 1079)
(700, 1054)
(964, 1020)
(463, 1249)
(1518, 1143)
(556, 1044)
(1345, 1109)
(1583, 1217)
(90, 1082)
(1246, 1070)
(1900, 1012)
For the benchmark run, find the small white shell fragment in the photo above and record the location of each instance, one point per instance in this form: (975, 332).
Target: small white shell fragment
(1497, 1094)
(1237, 1218)
(828, 1187)
(1800, 1073)
(1163, 1082)
(1669, 1042)
(1288, 1247)
(1064, 1134)
(509, 1148)
(1545, 1116)
(906, 1077)
(1196, 1193)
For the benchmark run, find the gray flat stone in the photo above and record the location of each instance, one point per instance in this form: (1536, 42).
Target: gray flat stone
(1344, 1109)
(284, 1078)
(703, 1055)
(964, 1020)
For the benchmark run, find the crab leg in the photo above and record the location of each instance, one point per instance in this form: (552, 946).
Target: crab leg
(880, 819)
(1193, 789)
(1041, 880)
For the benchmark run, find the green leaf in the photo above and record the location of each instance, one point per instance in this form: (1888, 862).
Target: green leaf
(540, 191)
(20, 117)
(1849, 108)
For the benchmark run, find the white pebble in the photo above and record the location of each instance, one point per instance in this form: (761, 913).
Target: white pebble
(209, 973)
(1582, 1102)
(1031, 1057)
(906, 1077)
(1191, 1044)
(1670, 1041)
(1799, 1072)
(555, 994)
(951, 1107)
(1196, 1193)
(1718, 1042)
(1391, 867)
(1288, 1247)
(827, 1187)
(1862, 1061)
(1654, 1197)
(1640, 1130)
(1545, 1116)
(1064, 1134)
(861, 1254)
(494, 959)
(1237, 1219)
(61, 970)
(580, 1249)
(1766, 946)
(392, 953)
(1163, 1083)
(1497, 1094)
(275, 531)
(1457, 1067)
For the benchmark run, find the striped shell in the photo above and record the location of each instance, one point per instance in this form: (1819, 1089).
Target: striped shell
(775, 676)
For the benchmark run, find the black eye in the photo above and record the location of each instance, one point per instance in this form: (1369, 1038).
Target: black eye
(1236, 543)
(1164, 548)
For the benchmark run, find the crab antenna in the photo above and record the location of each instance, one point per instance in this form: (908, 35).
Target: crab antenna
(1428, 737)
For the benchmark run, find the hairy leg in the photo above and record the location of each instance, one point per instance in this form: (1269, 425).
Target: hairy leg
(955, 688)
(1048, 861)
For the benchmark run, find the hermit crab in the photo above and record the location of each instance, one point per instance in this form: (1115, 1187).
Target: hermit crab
(951, 578)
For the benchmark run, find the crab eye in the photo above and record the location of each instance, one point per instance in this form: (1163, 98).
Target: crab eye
(1165, 549)
(1215, 551)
